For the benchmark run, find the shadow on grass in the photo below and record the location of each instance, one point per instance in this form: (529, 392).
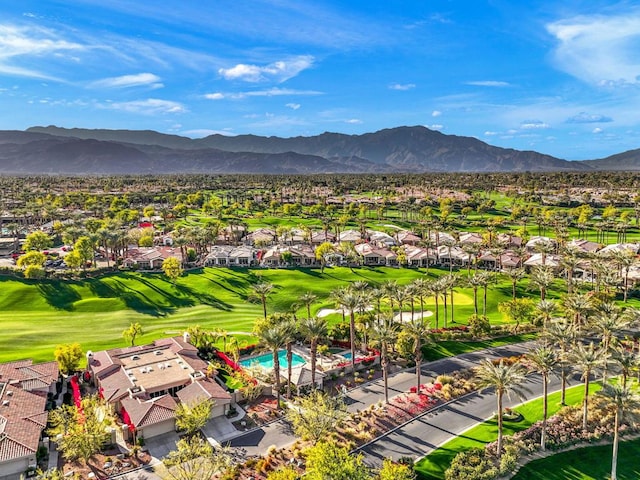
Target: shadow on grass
(60, 295)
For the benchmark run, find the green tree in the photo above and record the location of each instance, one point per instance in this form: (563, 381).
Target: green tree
(132, 332)
(172, 269)
(518, 310)
(322, 251)
(329, 461)
(504, 379)
(286, 473)
(195, 459)
(37, 240)
(275, 338)
(80, 434)
(68, 357)
(385, 334)
(84, 249)
(316, 415)
(34, 272)
(391, 470)
(418, 329)
(73, 260)
(31, 258)
(191, 417)
(625, 405)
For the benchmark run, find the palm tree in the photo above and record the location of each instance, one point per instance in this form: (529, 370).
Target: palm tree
(545, 310)
(504, 379)
(627, 361)
(421, 288)
(385, 334)
(307, 299)
(542, 277)
(625, 405)
(586, 360)
(515, 275)
(577, 306)
(475, 281)
(437, 288)
(261, 291)
(624, 259)
(314, 329)
(608, 323)
(543, 361)
(563, 334)
(419, 331)
(289, 327)
(349, 303)
(451, 282)
(275, 338)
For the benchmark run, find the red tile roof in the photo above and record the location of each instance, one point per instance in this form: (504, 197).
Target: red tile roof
(150, 412)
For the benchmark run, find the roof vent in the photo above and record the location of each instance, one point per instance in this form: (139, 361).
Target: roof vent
(158, 352)
(135, 357)
(9, 393)
(5, 403)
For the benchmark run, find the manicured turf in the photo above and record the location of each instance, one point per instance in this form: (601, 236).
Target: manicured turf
(37, 316)
(588, 463)
(433, 466)
(450, 348)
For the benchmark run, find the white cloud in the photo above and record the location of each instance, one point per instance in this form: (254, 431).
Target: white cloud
(584, 117)
(533, 125)
(488, 83)
(17, 42)
(278, 71)
(271, 92)
(150, 106)
(597, 130)
(599, 49)
(436, 113)
(490, 134)
(353, 121)
(436, 126)
(125, 81)
(401, 86)
(293, 106)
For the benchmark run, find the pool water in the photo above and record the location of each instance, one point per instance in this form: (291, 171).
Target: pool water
(266, 361)
(346, 355)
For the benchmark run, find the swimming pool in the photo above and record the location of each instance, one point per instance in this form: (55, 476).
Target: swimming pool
(346, 355)
(266, 361)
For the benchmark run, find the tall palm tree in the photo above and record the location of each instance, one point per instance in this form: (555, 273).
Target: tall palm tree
(418, 330)
(385, 333)
(307, 299)
(624, 259)
(545, 310)
(608, 323)
(337, 295)
(627, 361)
(475, 282)
(290, 329)
(543, 360)
(261, 291)
(437, 288)
(451, 282)
(349, 303)
(421, 288)
(625, 405)
(504, 379)
(578, 306)
(542, 277)
(389, 287)
(586, 360)
(275, 338)
(314, 329)
(515, 275)
(564, 335)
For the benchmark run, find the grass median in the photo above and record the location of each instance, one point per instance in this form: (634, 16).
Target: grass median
(433, 466)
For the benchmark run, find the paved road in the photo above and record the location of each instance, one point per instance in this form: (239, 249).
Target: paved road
(279, 433)
(426, 433)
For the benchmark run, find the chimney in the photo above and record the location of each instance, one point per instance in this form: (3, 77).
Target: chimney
(186, 336)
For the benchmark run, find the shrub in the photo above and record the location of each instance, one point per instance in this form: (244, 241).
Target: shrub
(479, 326)
(473, 464)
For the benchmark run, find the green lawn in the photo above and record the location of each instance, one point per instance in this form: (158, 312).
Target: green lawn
(588, 463)
(37, 316)
(450, 348)
(433, 466)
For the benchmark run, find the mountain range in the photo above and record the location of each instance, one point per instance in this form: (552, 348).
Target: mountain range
(55, 150)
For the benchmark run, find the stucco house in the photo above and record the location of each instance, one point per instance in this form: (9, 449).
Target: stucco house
(145, 383)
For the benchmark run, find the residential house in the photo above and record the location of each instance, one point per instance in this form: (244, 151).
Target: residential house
(381, 239)
(470, 238)
(351, 236)
(149, 258)
(23, 415)
(230, 256)
(375, 256)
(408, 238)
(584, 246)
(320, 237)
(143, 383)
(536, 240)
(261, 236)
(419, 257)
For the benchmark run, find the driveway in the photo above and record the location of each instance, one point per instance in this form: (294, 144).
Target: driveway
(422, 435)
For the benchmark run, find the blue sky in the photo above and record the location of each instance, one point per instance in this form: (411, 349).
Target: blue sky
(561, 78)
